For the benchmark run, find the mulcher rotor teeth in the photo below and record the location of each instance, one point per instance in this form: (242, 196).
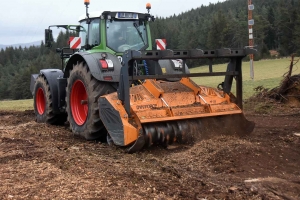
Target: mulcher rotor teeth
(189, 131)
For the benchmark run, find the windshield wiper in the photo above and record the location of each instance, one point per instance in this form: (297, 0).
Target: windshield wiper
(140, 33)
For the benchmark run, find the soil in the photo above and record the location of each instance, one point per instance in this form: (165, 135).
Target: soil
(40, 161)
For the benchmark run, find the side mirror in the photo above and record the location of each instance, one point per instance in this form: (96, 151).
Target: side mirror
(48, 38)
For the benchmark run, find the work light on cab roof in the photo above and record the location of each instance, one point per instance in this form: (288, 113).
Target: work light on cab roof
(148, 7)
(86, 2)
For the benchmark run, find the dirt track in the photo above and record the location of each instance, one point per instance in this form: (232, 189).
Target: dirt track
(38, 161)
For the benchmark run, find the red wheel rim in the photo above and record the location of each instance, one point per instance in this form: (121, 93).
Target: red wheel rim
(79, 105)
(40, 101)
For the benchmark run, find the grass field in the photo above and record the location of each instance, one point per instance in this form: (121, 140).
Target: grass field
(17, 105)
(268, 73)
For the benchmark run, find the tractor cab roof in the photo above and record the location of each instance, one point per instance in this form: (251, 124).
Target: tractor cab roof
(122, 15)
(92, 15)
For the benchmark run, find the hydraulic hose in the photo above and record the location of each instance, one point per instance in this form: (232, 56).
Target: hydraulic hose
(146, 67)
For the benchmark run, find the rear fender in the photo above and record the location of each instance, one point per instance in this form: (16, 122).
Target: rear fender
(168, 67)
(94, 65)
(32, 82)
(52, 76)
(153, 67)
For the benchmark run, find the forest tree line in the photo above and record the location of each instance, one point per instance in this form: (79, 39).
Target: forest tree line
(225, 25)
(220, 25)
(17, 65)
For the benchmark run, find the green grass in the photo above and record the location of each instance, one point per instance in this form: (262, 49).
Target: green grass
(16, 105)
(267, 73)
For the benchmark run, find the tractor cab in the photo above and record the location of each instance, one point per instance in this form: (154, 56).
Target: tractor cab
(116, 32)
(109, 31)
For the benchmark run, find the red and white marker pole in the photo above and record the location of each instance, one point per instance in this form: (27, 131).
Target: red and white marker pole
(251, 38)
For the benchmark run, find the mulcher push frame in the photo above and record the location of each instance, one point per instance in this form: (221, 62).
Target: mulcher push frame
(234, 68)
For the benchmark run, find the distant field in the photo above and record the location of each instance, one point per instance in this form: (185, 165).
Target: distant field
(267, 73)
(17, 105)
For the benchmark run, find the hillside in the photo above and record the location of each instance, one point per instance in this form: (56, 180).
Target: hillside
(225, 24)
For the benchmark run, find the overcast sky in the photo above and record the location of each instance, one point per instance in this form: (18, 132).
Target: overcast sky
(23, 21)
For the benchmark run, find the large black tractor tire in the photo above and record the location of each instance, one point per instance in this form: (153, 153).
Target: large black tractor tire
(83, 91)
(42, 103)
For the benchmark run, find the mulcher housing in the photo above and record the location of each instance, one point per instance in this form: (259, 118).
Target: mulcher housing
(158, 103)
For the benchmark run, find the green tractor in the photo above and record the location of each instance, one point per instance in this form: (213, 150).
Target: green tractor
(94, 70)
(116, 86)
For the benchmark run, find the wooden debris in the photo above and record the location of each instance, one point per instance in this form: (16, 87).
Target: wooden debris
(233, 189)
(252, 180)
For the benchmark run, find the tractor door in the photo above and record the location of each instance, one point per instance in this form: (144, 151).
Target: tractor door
(91, 38)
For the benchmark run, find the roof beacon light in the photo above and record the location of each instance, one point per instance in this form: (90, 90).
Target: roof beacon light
(87, 2)
(148, 7)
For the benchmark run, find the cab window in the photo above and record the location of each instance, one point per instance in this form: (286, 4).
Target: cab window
(83, 34)
(94, 32)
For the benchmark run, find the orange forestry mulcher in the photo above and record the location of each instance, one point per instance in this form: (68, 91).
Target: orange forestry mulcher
(162, 109)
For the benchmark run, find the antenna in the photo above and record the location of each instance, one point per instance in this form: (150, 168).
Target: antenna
(251, 41)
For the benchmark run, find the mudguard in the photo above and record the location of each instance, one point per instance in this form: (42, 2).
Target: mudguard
(32, 82)
(92, 61)
(171, 67)
(51, 76)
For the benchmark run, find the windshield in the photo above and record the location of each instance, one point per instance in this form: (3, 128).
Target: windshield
(124, 35)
